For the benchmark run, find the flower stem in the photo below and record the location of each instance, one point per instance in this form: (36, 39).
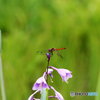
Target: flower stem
(1, 75)
(47, 72)
(0, 42)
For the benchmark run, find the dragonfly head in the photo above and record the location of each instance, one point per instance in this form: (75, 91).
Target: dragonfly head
(51, 50)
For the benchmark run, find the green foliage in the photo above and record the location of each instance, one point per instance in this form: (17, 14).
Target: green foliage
(31, 25)
(44, 94)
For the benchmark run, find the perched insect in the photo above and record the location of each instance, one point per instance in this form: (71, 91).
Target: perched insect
(51, 50)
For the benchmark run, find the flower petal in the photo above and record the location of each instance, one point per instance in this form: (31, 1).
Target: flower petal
(31, 96)
(40, 84)
(64, 73)
(58, 95)
(50, 71)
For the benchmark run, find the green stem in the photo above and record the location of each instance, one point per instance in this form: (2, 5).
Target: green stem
(47, 72)
(1, 75)
(47, 79)
(0, 42)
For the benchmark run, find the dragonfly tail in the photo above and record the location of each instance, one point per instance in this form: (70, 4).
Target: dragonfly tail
(61, 49)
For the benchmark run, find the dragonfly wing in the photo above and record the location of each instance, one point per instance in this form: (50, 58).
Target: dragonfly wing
(44, 52)
(58, 54)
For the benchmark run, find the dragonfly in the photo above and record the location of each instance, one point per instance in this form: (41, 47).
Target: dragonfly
(51, 50)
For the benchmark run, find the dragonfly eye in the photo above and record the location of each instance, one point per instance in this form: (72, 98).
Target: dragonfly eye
(49, 50)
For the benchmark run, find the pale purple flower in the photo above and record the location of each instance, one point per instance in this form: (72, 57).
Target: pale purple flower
(40, 84)
(31, 96)
(50, 71)
(64, 73)
(58, 95)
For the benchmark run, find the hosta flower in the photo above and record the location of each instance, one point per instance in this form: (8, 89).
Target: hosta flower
(48, 56)
(31, 96)
(64, 73)
(40, 84)
(58, 95)
(50, 71)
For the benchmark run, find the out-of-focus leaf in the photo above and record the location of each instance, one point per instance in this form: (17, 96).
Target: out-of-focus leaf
(44, 95)
(98, 87)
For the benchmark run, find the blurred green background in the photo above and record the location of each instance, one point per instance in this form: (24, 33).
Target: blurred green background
(31, 25)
